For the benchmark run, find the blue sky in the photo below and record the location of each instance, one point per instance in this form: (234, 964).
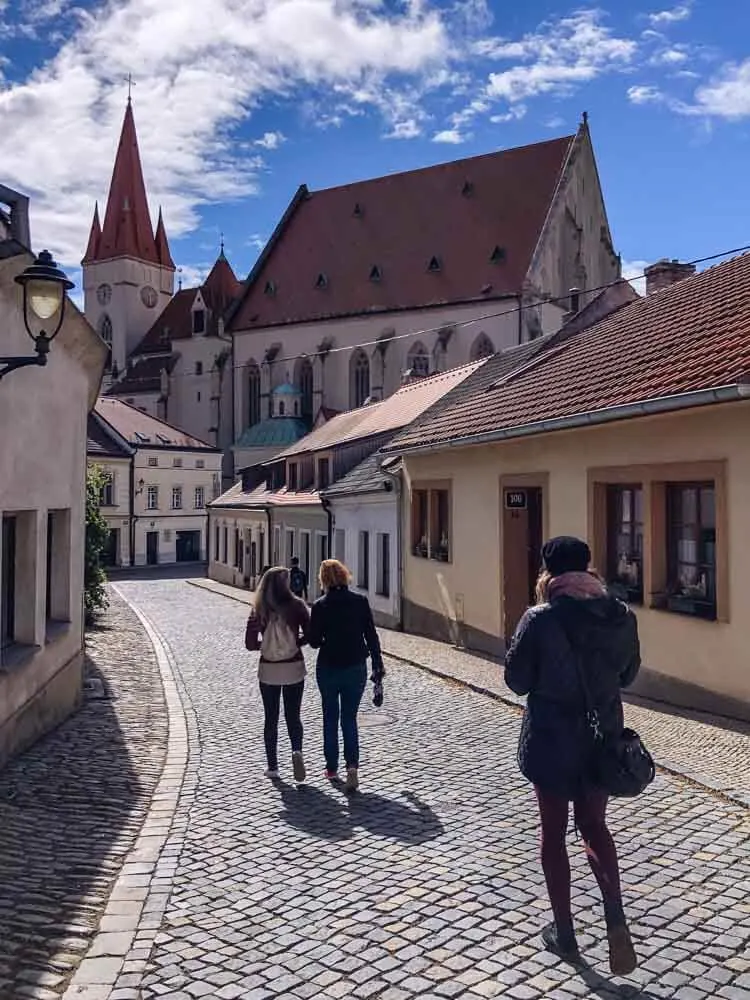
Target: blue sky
(237, 102)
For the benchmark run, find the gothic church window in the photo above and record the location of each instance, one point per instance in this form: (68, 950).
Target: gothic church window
(105, 332)
(418, 360)
(304, 380)
(482, 348)
(253, 394)
(360, 378)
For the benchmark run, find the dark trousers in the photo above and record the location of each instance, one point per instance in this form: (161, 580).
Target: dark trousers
(590, 815)
(272, 695)
(341, 692)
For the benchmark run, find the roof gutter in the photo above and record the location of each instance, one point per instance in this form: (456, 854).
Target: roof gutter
(648, 407)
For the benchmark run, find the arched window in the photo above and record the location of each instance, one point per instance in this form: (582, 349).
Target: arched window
(418, 360)
(360, 381)
(282, 409)
(253, 394)
(482, 348)
(303, 378)
(105, 332)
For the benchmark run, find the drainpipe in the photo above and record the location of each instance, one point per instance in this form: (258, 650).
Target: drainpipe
(326, 504)
(395, 483)
(269, 517)
(132, 518)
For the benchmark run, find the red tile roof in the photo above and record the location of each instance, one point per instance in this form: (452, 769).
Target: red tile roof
(392, 413)
(457, 213)
(162, 244)
(142, 430)
(144, 376)
(689, 337)
(261, 497)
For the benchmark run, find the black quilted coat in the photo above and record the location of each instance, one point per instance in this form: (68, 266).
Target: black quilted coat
(555, 742)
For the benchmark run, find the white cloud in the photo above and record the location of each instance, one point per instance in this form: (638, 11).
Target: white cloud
(256, 241)
(672, 15)
(727, 95)
(199, 69)
(632, 271)
(642, 94)
(674, 56)
(556, 121)
(558, 57)
(406, 129)
(270, 140)
(452, 136)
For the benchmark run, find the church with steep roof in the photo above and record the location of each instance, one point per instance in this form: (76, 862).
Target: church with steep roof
(169, 355)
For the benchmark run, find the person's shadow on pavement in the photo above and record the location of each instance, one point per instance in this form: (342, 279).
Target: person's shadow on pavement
(321, 814)
(606, 989)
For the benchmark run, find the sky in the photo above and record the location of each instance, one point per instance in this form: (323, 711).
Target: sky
(238, 102)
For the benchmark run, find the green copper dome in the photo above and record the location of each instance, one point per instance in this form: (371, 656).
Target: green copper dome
(275, 432)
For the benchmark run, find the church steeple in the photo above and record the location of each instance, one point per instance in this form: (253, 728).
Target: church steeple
(95, 236)
(162, 244)
(127, 228)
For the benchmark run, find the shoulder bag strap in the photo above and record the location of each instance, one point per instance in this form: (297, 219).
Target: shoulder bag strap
(592, 713)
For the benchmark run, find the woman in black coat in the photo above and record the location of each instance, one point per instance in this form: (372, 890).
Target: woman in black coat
(576, 625)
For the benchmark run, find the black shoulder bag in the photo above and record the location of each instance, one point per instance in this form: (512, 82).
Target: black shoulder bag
(621, 765)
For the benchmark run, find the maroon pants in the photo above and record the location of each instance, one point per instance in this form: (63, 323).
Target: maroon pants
(590, 815)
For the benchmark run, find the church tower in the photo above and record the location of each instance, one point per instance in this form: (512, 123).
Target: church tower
(128, 271)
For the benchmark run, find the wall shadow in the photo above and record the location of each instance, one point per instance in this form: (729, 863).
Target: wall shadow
(70, 808)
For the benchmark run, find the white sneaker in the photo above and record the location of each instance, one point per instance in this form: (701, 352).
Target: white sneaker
(271, 773)
(352, 779)
(298, 766)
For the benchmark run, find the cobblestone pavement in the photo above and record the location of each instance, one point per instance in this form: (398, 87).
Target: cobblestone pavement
(709, 750)
(70, 808)
(426, 884)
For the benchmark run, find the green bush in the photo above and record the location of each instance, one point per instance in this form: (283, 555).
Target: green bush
(97, 534)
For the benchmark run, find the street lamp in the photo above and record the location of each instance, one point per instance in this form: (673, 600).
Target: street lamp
(44, 288)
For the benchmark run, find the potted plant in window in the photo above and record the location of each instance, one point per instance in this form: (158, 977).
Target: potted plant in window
(441, 551)
(420, 549)
(690, 597)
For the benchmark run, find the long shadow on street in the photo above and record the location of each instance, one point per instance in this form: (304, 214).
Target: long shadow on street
(70, 808)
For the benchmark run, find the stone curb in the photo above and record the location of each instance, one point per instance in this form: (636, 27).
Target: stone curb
(672, 768)
(131, 921)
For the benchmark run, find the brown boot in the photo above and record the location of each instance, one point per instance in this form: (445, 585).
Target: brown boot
(622, 957)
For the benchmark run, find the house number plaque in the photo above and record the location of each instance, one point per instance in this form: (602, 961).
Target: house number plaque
(515, 499)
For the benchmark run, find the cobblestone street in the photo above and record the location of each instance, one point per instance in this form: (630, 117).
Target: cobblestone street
(426, 884)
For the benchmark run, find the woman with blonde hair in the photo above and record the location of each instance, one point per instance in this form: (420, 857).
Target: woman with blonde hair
(572, 654)
(277, 626)
(342, 628)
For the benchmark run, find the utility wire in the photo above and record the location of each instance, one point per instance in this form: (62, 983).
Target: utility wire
(513, 310)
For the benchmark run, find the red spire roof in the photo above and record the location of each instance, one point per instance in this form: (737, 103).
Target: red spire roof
(162, 244)
(92, 250)
(127, 228)
(221, 285)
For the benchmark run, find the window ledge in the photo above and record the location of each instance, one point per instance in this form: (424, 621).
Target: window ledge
(17, 656)
(56, 629)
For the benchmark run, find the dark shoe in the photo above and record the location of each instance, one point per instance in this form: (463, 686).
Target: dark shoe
(564, 946)
(622, 957)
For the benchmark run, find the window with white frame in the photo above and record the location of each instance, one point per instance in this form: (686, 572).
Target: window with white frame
(107, 490)
(200, 463)
(383, 583)
(276, 545)
(176, 463)
(153, 461)
(199, 501)
(290, 545)
(363, 561)
(176, 498)
(152, 497)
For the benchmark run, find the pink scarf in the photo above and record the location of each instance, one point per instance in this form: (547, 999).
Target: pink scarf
(581, 586)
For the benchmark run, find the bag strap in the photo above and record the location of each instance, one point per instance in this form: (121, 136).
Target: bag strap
(592, 713)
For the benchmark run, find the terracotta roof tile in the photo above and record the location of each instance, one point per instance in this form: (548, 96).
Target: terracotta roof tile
(391, 414)
(457, 213)
(261, 497)
(691, 336)
(142, 430)
(100, 443)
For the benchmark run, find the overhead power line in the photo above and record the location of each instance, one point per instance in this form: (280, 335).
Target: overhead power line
(513, 310)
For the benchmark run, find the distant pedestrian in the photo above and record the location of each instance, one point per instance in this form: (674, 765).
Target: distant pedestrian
(576, 626)
(298, 579)
(342, 628)
(278, 626)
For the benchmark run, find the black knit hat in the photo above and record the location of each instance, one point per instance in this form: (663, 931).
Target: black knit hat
(566, 554)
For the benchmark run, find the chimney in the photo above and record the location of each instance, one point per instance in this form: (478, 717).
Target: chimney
(664, 273)
(19, 215)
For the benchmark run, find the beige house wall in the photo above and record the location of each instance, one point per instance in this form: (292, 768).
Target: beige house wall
(43, 414)
(687, 660)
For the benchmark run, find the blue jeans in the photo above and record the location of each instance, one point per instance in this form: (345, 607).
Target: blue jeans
(341, 692)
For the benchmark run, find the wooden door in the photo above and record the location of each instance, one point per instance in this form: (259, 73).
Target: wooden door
(522, 542)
